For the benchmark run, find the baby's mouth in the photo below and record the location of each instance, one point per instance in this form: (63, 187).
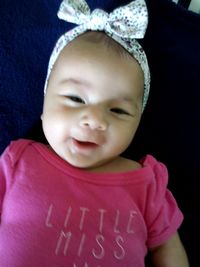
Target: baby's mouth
(85, 144)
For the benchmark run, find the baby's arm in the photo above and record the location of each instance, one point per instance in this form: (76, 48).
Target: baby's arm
(170, 254)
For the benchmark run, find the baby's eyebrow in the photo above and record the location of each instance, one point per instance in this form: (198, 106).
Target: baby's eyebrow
(77, 81)
(127, 99)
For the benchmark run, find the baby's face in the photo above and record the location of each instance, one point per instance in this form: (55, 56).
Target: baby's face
(93, 104)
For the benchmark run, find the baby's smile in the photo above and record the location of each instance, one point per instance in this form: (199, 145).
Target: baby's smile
(83, 147)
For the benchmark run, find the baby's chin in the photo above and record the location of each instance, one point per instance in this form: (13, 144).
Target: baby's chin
(87, 161)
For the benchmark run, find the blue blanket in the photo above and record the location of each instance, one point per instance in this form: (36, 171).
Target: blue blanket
(170, 129)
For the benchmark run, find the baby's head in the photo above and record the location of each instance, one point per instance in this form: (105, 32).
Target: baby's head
(93, 101)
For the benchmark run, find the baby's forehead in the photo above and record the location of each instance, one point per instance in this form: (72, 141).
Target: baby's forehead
(102, 40)
(96, 43)
(93, 47)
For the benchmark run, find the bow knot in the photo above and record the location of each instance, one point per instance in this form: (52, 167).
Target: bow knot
(128, 21)
(97, 20)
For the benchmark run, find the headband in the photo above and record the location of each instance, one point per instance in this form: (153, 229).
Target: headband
(125, 24)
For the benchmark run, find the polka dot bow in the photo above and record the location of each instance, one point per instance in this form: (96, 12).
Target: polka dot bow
(125, 24)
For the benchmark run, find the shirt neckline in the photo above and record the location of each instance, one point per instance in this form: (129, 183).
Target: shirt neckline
(108, 178)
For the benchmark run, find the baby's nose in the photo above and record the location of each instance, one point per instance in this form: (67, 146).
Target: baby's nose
(94, 119)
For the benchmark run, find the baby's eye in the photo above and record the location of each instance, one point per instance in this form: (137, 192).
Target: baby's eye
(76, 99)
(120, 111)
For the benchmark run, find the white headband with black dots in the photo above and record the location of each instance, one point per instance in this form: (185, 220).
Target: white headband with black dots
(125, 24)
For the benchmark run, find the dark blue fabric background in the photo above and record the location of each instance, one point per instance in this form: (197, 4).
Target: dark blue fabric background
(170, 129)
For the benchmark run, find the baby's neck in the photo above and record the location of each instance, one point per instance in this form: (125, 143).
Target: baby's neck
(118, 164)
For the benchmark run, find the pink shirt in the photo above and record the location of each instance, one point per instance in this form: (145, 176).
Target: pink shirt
(56, 215)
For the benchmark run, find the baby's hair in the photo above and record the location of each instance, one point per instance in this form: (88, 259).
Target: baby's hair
(107, 42)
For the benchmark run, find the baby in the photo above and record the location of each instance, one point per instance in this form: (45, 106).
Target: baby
(77, 202)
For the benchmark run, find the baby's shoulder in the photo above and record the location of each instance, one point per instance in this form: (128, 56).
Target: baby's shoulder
(15, 150)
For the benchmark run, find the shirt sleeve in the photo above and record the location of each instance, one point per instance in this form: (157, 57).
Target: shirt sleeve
(4, 171)
(163, 217)
(8, 161)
